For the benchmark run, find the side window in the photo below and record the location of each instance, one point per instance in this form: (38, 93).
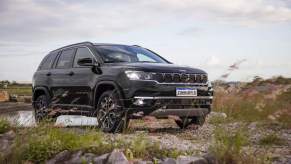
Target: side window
(65, 59)
(80, 54)
(48, 61)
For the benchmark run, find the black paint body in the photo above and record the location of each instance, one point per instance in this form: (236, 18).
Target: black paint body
(80, 87)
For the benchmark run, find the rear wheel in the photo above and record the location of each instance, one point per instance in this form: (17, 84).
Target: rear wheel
(183, 123)
(41, 108)
(110, 114)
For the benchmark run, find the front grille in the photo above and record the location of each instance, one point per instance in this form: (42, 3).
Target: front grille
(180, 78)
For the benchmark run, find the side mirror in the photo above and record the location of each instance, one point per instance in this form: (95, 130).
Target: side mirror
(87, 62)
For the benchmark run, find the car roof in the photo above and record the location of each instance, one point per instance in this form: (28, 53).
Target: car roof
(90, 44)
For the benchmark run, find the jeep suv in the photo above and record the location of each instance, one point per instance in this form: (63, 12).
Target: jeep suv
(116, 83)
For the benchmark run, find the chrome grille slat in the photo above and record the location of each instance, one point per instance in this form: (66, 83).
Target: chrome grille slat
(180, 78)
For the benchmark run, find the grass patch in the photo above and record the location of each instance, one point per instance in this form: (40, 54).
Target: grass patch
(43, 142)
(4, 126)
(18, 90)
(272, 139)
(228, 147)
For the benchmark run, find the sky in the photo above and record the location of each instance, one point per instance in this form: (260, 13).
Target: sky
(207, 34)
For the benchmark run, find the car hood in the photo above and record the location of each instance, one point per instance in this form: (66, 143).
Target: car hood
(158, 67)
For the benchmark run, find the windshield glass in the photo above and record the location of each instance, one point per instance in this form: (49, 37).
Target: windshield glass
(130, 54)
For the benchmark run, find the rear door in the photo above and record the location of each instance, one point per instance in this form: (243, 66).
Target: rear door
(42, 78)
(61, 78)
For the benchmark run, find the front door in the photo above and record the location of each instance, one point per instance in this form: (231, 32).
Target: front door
(83, 80)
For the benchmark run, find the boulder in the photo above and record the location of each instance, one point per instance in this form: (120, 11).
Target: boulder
(117, 157)
(4, 145)
(101, 159)
(76, 158)
(211, 159)
(169, 161)
(4, 96)
(60, 157)
(191, 160)
(10, 135)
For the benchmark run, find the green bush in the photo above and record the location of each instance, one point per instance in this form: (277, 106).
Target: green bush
(4, 126)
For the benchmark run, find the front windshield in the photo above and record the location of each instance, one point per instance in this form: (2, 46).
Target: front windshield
(129, 54)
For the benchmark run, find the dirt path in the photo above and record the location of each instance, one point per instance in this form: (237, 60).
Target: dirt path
(7, 107)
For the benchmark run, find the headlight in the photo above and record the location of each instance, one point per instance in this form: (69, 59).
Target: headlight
(139, 75)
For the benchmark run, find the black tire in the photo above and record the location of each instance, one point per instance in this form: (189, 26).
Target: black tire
(41, 108)
(183, 123)
(110, 114)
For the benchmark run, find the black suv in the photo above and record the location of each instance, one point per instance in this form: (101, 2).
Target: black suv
(116, 83)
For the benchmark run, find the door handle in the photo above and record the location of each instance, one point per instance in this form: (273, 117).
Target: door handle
(48, 74)
(71, 73)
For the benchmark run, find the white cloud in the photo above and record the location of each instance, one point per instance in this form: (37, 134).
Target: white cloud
(241, 11)
(36, 20)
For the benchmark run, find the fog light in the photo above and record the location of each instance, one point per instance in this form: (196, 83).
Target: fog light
(139, 102)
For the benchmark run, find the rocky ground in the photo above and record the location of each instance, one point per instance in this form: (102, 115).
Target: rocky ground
(196, 139)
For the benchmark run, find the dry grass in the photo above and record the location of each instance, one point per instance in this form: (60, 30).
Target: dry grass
(272, 139)
(257, 101)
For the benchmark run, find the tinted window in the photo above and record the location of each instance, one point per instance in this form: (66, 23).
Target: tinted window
(131, 54)
(48, 61)
(80, 54)
(65, 60)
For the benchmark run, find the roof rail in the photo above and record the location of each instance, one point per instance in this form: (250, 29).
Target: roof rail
(76, 44)
(136, 45)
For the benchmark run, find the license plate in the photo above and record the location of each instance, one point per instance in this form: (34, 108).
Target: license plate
(186, 92)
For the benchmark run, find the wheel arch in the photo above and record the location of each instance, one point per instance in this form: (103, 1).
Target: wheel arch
(105, 86)
(39, 91)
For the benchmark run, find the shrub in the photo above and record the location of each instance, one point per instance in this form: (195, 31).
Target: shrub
(4, 126)
(228, 146)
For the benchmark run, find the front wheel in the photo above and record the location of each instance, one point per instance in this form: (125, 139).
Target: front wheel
(110, 114)
(183, 123)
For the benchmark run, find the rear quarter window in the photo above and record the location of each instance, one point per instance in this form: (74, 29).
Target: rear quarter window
(48, 61)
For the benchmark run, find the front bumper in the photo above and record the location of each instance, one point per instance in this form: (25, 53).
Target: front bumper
(164, 106)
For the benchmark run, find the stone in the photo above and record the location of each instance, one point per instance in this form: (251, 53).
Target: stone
(88, 157)
(191, 160)
(76, 158)
(218, 114)
(10, 135)
(117, 157)
(4, 145)
(211, 159)
(60, 157)
(101, 159)
(4, 96)
(169, 161)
